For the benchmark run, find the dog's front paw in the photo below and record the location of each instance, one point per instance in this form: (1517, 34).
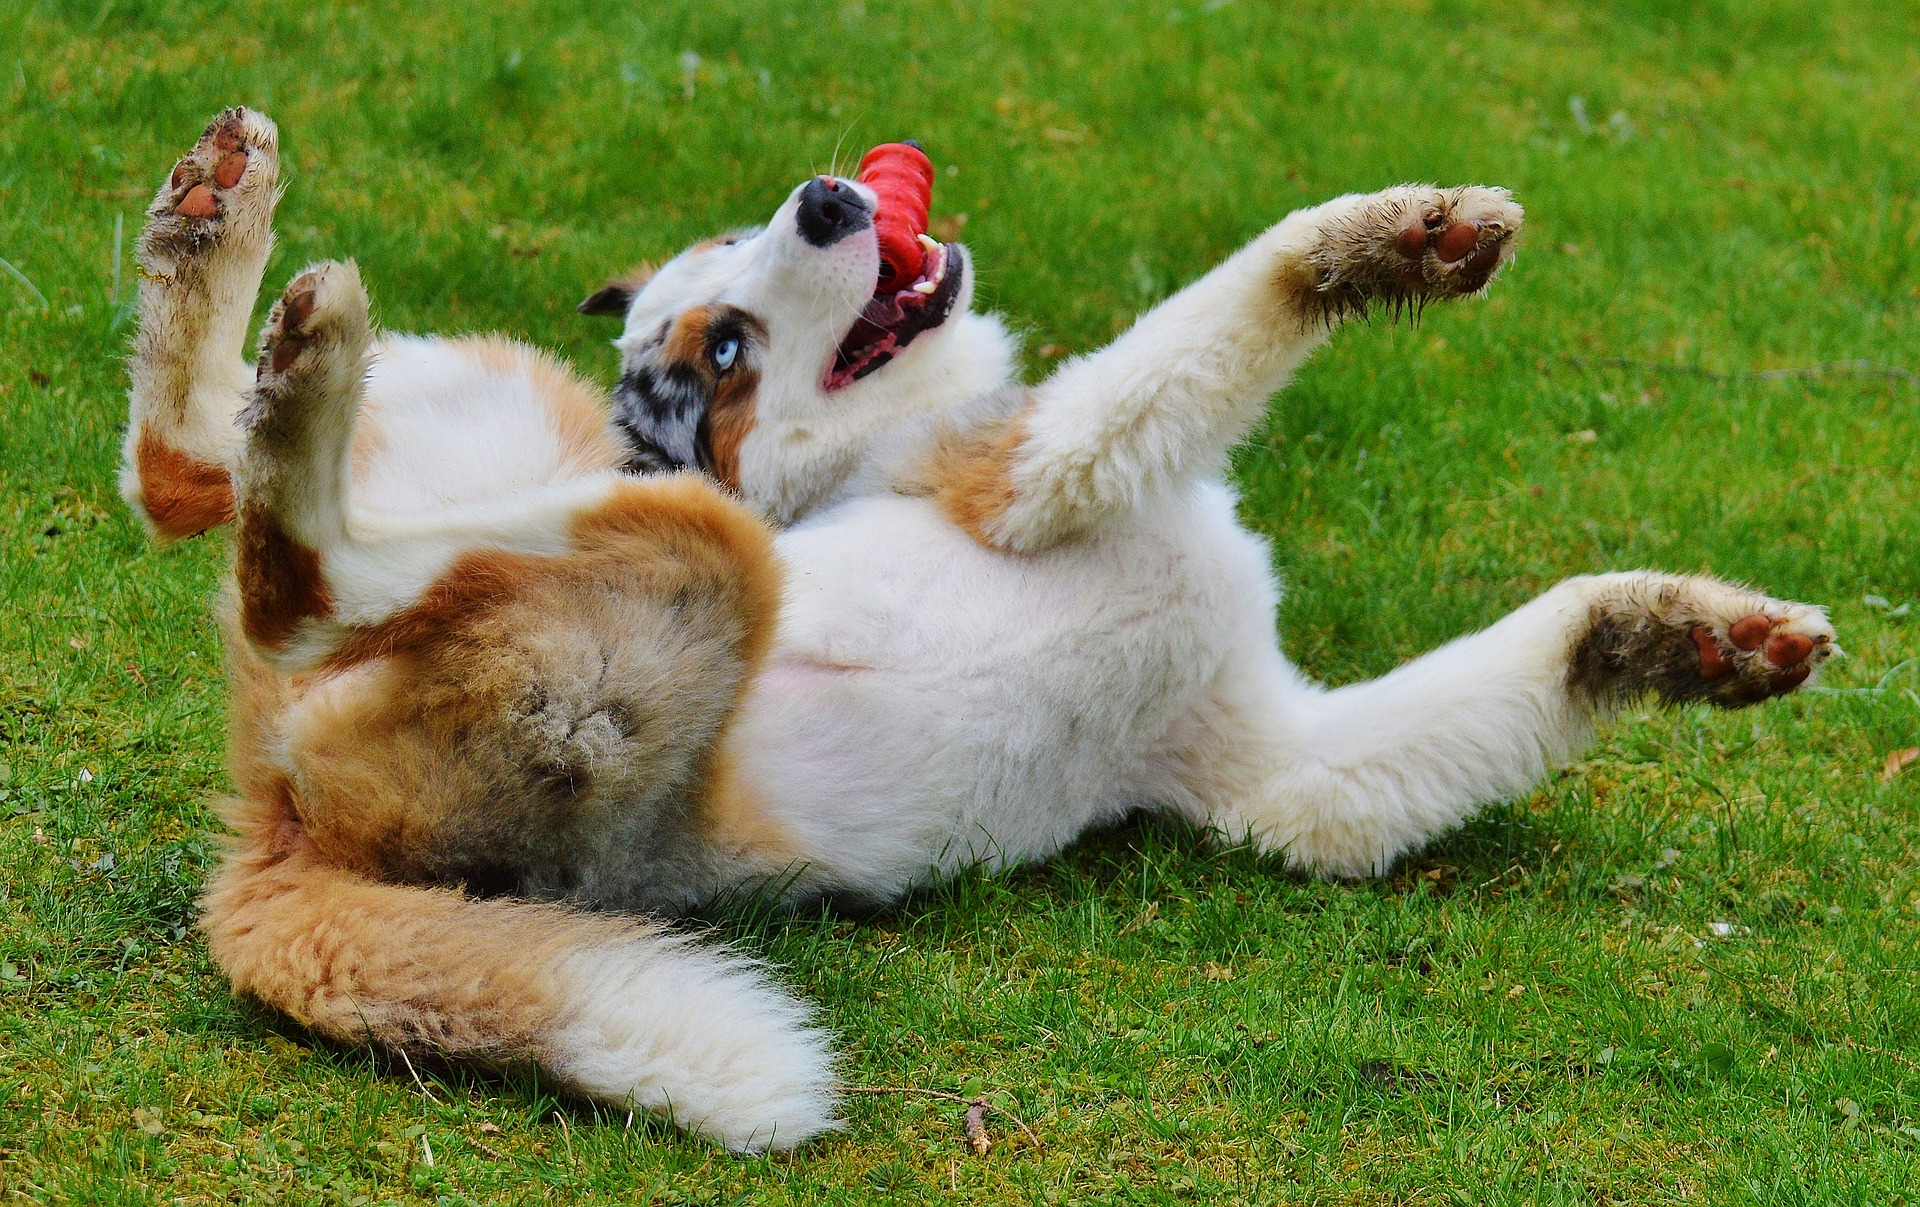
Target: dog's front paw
(1768, 652)
(1411, 245)
(1697, 638)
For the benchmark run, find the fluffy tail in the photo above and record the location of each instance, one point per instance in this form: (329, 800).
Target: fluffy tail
(617, 1009)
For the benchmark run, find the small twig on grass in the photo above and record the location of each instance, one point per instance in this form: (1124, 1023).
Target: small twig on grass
(487, 1149)
(417, 1081)
(969, 1122)
(1826, 368)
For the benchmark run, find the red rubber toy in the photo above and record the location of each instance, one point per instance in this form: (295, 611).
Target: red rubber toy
(902, 176)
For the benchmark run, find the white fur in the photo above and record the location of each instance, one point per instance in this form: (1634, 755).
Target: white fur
(697, 1035)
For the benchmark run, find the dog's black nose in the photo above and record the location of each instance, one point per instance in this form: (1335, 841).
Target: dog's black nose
(830, 211)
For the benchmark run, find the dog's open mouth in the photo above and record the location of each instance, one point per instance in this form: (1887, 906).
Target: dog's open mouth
(892, 319)
(904, 303)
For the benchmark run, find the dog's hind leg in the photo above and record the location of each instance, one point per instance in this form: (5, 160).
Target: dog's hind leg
(200, 258)
(320, 583)
(1345, 781)
(1166, 400)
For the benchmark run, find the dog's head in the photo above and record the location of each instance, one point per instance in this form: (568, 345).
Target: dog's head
(764, 355)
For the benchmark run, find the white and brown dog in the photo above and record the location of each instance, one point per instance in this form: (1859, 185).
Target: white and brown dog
(492, 688)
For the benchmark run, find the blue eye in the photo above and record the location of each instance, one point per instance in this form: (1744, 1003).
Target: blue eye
(724, 353)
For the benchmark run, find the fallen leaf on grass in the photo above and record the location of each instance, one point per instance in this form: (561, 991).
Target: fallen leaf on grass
(1898, 760)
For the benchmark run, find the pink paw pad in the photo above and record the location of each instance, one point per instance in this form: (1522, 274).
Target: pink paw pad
(198, 203)
(1457, 243)
(1713, 663)
(228, 171)
(1749, 631)
(295, 309)
(1789, 650)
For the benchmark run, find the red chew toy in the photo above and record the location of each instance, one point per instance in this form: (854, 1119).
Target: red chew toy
(903, 177)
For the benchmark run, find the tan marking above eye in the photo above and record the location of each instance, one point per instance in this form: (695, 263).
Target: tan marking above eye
(686, 341)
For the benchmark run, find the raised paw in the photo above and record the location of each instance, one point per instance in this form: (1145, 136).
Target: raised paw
(222, 188)
(1410, 245)
(1697, 638)
(323, 308)
(313, 362)
(1763, 653)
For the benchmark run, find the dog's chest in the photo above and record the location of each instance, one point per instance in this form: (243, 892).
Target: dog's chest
(888, 585)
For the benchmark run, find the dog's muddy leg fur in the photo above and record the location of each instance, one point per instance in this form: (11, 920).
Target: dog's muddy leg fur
(1345, 781)
(200, 260)
(1162, 404)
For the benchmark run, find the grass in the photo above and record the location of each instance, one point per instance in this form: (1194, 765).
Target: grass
(1536, 1009)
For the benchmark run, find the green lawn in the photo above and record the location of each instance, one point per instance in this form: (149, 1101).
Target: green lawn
(1537, 1009)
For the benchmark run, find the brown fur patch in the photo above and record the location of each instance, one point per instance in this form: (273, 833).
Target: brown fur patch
(730, 419)
(281, 583)
(417, 969)
(675, 520)
(970, 476)
(475, 580)
(182, 495)
(423, 750)
(686, 340)
(735, 818)
(732, 816)
(688, 518)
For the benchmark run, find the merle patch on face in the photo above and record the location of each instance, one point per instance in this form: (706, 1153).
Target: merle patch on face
(659, 408)
(685, 399)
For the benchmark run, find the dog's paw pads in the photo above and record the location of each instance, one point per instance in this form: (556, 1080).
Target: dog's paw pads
(1451, 241)
(199, 202)
(1762, 654)
(1410, 245)
(232, 167)
(288, 330)
(323, 309)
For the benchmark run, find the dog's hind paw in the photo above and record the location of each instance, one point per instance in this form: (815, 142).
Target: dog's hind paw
(1697, 638)
(220, 191)
(1410, 245)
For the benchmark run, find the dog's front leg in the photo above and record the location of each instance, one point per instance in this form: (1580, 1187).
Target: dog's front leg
(201, 256)
(1165, 401)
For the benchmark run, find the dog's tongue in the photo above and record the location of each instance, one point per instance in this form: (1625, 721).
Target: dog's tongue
(902, 176)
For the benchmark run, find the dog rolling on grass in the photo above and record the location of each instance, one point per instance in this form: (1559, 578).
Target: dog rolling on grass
(506, 685)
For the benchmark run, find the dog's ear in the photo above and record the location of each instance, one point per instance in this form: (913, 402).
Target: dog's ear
(617, 296)
(612, 300)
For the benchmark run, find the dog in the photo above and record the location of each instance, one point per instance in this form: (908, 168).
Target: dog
(823, 603)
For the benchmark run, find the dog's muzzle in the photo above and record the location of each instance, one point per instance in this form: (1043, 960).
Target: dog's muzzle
(830, 211)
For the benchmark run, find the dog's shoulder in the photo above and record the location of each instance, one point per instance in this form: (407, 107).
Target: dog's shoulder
(919, 454)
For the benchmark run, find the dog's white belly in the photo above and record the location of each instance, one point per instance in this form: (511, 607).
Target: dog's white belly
(932, 704)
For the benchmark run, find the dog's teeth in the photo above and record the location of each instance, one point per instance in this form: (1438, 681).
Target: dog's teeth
(925, 287)
(929, 242)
